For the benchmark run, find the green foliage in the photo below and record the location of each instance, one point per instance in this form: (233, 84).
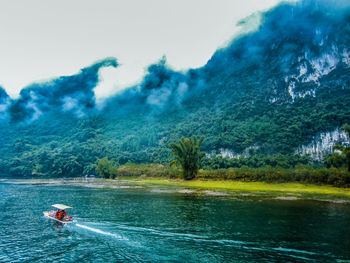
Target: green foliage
(301, 173)
(106, 168)
(255, 161)
(338, 159)
(335, 160)
(346, 128)
(148, 170)
(304, 174)
(188, 155)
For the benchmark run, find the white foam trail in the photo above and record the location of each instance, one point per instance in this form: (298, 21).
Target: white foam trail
(101, 232)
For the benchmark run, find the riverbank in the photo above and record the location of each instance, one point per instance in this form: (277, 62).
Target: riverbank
(338, 177)
(283, 191)
(290, 191)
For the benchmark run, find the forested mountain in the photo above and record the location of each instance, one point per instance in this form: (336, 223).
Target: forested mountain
(271, 90)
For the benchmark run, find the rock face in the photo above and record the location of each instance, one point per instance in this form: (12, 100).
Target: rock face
(231, 154)
(322, 144)
(311, 69)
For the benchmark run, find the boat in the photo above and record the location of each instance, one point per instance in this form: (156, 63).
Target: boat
(60, 207)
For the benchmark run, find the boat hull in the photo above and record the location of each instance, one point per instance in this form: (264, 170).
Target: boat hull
(47, 214)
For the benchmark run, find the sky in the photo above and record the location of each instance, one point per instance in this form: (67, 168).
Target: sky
(42, 39)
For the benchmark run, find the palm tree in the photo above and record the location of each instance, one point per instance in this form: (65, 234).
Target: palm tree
(345, 149)
(188, 155)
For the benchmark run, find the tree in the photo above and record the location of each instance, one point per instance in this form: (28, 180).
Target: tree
(188, 155)
(345, 149)
(106, 168)
(335, 160)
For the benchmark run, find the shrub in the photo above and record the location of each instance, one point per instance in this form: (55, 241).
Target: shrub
(305, 174)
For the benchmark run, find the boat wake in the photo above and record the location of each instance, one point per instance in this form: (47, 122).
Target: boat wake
(99, 231)
(141, 233)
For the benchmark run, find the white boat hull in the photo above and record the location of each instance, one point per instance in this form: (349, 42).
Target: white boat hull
(47, 214)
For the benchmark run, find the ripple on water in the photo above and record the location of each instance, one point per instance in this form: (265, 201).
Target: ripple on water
(143, 226)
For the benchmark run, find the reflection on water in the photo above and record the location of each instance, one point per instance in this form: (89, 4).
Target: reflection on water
(118, 225)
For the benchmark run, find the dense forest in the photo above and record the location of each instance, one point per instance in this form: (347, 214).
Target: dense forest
(267, 92)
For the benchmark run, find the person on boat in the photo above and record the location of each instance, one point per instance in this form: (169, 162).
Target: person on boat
(58, 214)
(63, 215)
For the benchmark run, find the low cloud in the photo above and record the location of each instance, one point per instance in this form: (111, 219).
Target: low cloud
(68, 94)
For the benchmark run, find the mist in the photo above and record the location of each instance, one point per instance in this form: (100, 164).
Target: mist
(64, 94)
(285, 37)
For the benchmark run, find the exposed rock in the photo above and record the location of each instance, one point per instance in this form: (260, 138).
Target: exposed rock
(186, 191)
(322, 144)
(215, 193)
(286, 198)
(228, 153)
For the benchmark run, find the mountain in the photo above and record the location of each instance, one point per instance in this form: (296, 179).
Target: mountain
(280, 87)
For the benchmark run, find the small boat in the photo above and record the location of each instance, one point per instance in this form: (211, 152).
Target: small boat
(60, 214)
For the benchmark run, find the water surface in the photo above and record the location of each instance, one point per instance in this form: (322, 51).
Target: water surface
(138, 225)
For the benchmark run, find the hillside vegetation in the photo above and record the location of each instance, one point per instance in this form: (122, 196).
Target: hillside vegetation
(266, 93)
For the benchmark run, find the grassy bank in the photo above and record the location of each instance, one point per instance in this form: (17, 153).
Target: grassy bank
(260, 188)
(338, 177)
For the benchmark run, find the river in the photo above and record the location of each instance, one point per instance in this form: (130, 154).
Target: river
(139, 225)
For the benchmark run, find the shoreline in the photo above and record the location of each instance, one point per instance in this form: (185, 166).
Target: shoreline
(282, 191)
(279, 191)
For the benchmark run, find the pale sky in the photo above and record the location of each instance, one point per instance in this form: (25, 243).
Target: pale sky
(41, 39)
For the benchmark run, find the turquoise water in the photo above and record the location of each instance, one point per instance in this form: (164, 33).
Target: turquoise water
(137, 225)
